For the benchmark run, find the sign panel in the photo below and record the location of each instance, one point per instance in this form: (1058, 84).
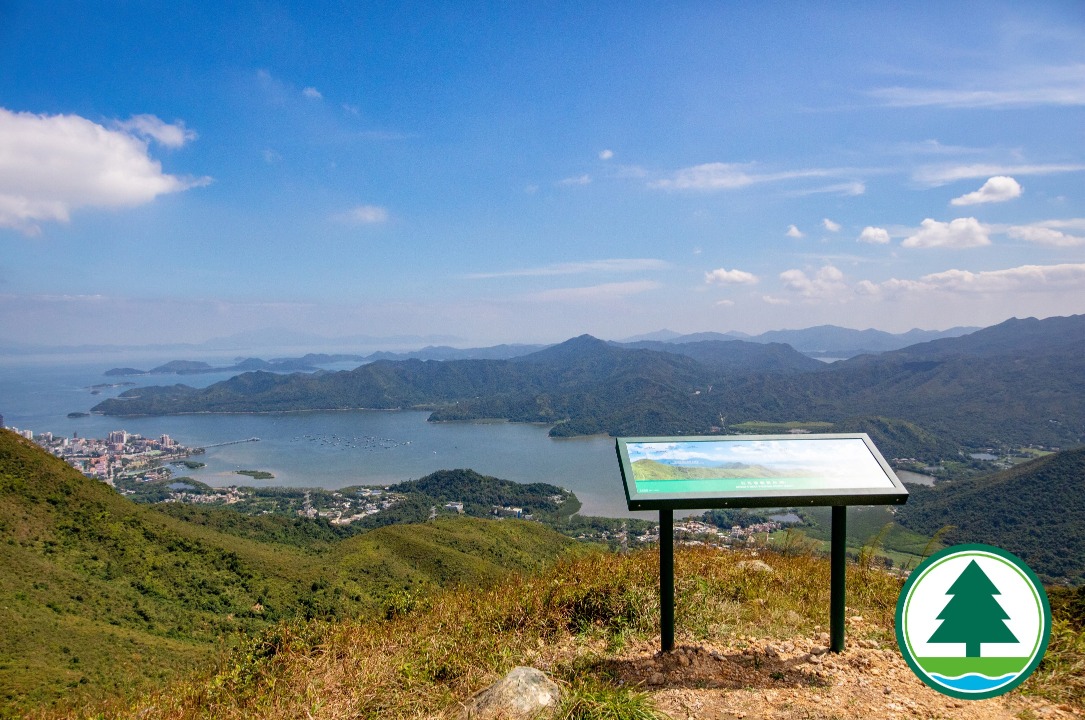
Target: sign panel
(756, 471)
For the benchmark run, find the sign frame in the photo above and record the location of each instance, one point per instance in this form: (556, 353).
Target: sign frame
(892, 494)
(838, 498)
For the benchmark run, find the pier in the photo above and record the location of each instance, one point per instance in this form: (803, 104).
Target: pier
(232, 442)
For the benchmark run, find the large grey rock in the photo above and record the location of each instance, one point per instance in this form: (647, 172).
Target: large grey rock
(524, 694)
(755, 566)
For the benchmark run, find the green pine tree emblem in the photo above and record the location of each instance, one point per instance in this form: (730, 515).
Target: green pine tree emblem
(984, 600)
(973, 616)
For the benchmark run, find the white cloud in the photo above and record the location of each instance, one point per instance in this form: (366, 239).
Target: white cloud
(997, 189)
(1058, 86)
(709, 176)
(935, 175)
(1022, 279)
(606, 154)
(595, 293)
(577, 180)
(150, 127)
(728, 176)
(1044, 234)
(866, 288)
(312, 93)
(934, 147)
(51, 165)
(772, 300)
(959, 233)
(794, 232)
(830, 225)
(611, 265)
(730, 277)
(874, 236)
(1070, 223)
(851, 189)
(725, 303)
(919, 97)
(364, 215)
(826, 284)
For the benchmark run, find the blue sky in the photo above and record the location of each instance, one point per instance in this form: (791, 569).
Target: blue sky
(525, 172)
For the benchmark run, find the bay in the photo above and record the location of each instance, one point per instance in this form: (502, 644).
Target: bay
(907, 476)
(315, 449)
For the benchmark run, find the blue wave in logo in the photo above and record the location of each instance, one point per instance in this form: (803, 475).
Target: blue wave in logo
(973, 682)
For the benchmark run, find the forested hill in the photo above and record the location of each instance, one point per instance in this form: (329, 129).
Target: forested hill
(1019, 382)
(559, 384)
(1036, 510)
(738, 356)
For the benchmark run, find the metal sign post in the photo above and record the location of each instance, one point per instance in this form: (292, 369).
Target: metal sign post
(741, 471)
(837, 578)
(666, 580)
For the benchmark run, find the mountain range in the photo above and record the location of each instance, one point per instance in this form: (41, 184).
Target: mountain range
(1016, 383)
(827, 341)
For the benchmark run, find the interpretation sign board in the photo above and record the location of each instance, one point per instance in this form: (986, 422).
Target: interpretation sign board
(686, 473)
(756, 471)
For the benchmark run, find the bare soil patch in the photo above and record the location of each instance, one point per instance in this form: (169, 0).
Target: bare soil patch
(755, 679)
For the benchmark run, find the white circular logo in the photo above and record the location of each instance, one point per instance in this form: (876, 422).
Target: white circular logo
(973, 621)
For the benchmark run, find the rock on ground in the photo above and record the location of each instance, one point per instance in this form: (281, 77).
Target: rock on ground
(524, 694)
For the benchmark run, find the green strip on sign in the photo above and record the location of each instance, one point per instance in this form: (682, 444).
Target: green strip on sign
(729, 485)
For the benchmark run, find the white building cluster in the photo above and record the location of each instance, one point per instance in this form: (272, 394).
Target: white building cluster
(119, 453)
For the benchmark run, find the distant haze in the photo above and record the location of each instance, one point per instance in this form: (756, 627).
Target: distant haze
(828, 340)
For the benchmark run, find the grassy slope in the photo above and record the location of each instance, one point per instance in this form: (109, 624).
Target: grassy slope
(573, 619)
(99, 595)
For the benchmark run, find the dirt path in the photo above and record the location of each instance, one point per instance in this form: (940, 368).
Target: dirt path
(759, 679)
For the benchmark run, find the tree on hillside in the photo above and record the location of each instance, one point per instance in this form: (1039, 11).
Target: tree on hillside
(973, 616)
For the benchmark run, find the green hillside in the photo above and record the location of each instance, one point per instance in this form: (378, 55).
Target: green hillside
(899, 438)
(645, 469)
(99, 595)
(1035, 510)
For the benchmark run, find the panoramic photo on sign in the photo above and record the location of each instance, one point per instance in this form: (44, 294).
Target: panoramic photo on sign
(730, 470)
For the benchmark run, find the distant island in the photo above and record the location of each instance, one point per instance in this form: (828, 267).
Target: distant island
(256, 474)
(194, 367)
(311, 362)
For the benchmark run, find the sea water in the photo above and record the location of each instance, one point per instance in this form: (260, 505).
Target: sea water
(314, 449)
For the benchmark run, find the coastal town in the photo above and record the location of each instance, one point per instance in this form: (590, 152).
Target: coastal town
(143, 469)
(118, 455)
